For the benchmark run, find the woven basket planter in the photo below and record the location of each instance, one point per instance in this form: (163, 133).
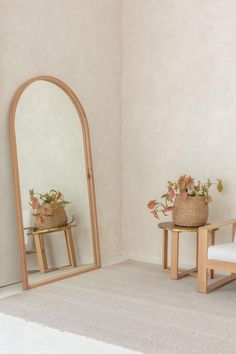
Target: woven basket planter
(190, 212)
(56, 218)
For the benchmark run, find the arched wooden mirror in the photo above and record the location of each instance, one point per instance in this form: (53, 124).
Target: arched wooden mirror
(52, 165)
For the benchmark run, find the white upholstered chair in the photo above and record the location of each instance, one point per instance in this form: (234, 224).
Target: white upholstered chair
(221, 257)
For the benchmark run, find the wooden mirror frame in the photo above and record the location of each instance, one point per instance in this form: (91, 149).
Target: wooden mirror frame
(91, 190)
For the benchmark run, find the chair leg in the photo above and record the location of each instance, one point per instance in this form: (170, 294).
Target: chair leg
(202, 259)
(212, 242)
(202, 280)
(223, 281)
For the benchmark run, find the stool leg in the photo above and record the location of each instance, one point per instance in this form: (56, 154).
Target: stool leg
(39, 252)
(68, 249)
(43, 252)
(174, 255)
(165, 251)
(71, 248)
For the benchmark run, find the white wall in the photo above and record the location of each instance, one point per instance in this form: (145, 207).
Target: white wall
(80, 43)
(178, 106)
(179, 110)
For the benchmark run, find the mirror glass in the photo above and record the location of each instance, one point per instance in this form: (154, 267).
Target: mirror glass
(52, 170)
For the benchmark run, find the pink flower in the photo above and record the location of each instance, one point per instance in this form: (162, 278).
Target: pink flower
(170, 208)
(182, 183)
(34, 202)
(154, 212)
(171, 193)
(189, 182)
(40, 218)
(152, 204)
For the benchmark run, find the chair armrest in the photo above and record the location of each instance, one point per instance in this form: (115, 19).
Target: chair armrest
(217, 225)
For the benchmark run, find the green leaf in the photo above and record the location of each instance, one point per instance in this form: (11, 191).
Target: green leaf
(220, 185)
(62, 203)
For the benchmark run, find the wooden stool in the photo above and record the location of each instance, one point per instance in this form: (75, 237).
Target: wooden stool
(39, 235)
(176, 273)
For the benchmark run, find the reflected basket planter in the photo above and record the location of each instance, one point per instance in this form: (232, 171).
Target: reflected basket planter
(45, 109)
(192, 212)
(57, 217)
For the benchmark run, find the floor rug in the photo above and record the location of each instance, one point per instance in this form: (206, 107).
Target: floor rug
(137, 306)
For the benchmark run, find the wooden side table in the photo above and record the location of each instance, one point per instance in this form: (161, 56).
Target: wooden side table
(40, 248)
(176, 273)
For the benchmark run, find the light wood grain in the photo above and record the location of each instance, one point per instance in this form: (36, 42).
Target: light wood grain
(165, 251)
(233, 232)
(219, 224)
(89, 167)
(176, 273)
(202, 258)
(71, 248)
(205, 264)
(174, 255)
(63, 276)
(42, 262)
(212, 243)
(170, 226)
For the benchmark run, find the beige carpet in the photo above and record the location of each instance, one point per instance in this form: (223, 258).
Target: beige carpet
(135, 305)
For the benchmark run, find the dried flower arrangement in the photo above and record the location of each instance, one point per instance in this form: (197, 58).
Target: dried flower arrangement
(43, 205)
(184, 187)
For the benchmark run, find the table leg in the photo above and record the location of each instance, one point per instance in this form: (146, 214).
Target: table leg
(71, 248)
(174, 255)
(165, 251)
(40, 255)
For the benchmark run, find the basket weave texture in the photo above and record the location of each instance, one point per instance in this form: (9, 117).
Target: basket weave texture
(190, 212)
(57, 218)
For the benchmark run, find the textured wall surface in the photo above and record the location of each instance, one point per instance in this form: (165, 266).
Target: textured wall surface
(179, 110)
(80, 43)
(178, 104)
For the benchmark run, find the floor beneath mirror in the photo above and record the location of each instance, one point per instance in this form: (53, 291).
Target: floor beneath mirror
(9, 290)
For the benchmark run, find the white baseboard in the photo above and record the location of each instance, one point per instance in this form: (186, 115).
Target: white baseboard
(156, 260)
(113, 259)
(109, 260)
(153, 260)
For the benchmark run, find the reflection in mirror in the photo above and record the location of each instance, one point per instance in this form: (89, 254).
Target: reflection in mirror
(53, 183)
